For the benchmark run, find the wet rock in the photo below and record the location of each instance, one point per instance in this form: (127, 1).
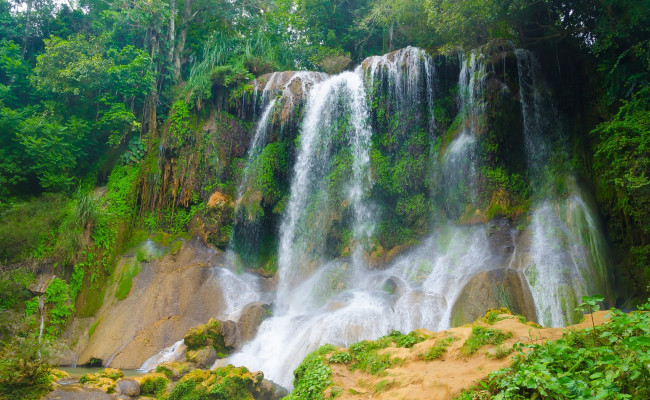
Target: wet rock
(389, 286)
(210, 334)
(493, 289)
(396, 251)
(67, 358)
(203, 357)
(39, 286)
(251, 317)
(127, 387)
(501, 236)
(231, 335)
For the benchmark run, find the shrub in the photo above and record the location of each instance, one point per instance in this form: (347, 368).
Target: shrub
(608, 361)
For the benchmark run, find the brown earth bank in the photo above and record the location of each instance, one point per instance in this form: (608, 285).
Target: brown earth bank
(447, 376)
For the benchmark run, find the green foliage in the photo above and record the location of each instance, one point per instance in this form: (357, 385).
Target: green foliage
(340, 357)
(482, 336)
(438, 349)
(25, 227)
(312, 376)
(180, 123)
(402, 340)
(612, 364)
(25, 368)
(59, 304)
(366, 356)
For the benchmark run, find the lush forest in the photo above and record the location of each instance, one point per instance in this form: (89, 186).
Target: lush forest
(99, 101)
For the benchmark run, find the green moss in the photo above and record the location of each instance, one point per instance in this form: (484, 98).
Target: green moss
(126, 280)
(210, 334)
(93, 327)
(153, 386)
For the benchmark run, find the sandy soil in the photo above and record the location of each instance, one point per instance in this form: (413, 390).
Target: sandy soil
(443, 378)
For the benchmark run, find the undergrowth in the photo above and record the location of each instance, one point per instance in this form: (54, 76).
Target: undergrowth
(482, 336)
(609, 361)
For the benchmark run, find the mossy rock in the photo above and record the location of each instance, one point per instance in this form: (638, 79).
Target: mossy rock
(223, 383)
(492, 290)
(104, 380)
(210, 334)
(203, 357)
(174, 370)
(154, 384)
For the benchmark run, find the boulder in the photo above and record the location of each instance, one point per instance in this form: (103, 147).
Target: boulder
(128, 387)
(203, 357)
(251, 317)
(493, 289)
(231, 335)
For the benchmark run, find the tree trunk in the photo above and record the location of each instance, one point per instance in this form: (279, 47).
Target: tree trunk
(172, 30)
(179, 49)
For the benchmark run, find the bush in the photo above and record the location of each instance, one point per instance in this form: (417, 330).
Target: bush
(606, 362)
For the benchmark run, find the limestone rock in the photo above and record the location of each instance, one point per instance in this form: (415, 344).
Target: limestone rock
(127, 387)
(170, 295)
(251, 317)
(203, 357)
(493, 289)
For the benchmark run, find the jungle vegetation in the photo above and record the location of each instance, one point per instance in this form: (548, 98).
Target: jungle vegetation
(89, 89)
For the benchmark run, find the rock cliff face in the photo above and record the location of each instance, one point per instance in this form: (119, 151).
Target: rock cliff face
(171, 294)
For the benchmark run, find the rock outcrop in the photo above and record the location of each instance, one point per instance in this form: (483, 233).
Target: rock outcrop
(169, 296)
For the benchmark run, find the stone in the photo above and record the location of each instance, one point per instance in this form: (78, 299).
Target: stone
(230, 332)
(203, 357)
(493, 289)
(127, 387)
(251, 318)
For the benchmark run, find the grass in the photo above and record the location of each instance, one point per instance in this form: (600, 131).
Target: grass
(438, 349)
(503, 352)
(482, 336)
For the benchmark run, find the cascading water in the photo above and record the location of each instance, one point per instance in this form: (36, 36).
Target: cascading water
(279, 96)
(567, 255)
(341, 301)
(328, 298)
(457, 182)
(406, 76)
(336, 117)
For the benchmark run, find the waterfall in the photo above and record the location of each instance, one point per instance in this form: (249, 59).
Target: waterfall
(341, 301)
(278, 97)
(41, 310)
(327, 296)
(406, 77)
(457, 183)
(568, 254)
(336, 117)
